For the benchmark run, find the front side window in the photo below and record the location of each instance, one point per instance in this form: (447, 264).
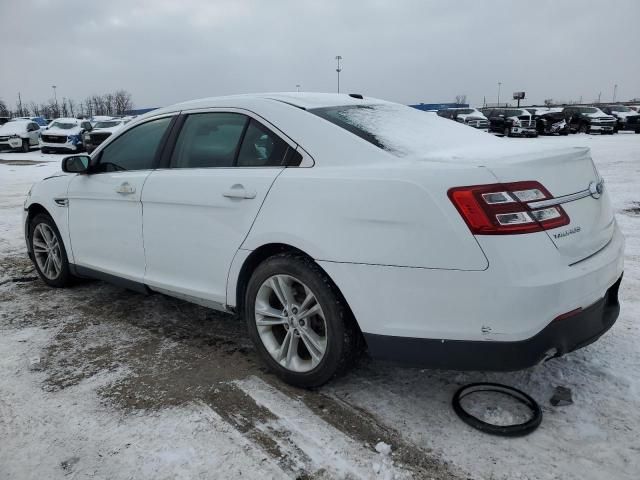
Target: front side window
(209, 140)
(135, 149)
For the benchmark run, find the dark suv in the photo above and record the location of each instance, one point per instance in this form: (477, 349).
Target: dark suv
(626, 118)
(511, 122)
(549, 121)
(589, 120)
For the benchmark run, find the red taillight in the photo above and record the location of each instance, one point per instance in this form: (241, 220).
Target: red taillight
(502, 209)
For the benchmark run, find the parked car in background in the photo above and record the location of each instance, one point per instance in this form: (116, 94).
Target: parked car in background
(99, 118)
(626, 118)
(635, 108)
(511, 122)
(19, 134)
(101, 131)
(64, 134)
(42, 123)
(549, 121)
(4, 120)
(501, 267)
(588, 120)
(469, 116)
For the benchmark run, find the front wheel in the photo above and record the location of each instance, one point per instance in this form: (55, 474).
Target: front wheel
(507, 132)
(584, 128)
(300, 325)
(49, 254)
(25, 146)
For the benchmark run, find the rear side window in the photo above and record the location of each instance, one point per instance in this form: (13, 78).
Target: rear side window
(135, 149)
(209, 140)
(225, 140)
(261, 147)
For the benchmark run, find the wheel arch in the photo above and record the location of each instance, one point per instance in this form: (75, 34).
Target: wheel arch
(260, 254)
(33, 210)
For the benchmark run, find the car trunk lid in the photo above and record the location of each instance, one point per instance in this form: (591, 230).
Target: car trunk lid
(574, 183)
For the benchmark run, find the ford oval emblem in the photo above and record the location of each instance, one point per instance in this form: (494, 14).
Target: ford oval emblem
(596, 188)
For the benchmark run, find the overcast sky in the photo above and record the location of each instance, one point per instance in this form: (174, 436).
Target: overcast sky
(165, 51)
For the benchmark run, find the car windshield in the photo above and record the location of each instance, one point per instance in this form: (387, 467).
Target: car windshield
(620, 108)
(464, 111)
(63, 125)
(588, 110)
(514, 113)
(398, 129)
(107, 124)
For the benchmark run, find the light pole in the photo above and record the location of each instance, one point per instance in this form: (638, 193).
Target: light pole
(338, 58)
(615, 91)
(55, 98)
(499, 85)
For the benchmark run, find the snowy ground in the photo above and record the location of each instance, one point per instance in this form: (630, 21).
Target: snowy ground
(98, 382)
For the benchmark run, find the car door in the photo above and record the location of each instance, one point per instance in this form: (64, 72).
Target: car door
(33, 133)
(104, 207)
(198, 211)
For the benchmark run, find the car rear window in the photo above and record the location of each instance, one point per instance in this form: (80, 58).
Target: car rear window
(398, 129)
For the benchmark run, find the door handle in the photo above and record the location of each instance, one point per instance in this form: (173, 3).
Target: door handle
(126, 189)
(238, 191)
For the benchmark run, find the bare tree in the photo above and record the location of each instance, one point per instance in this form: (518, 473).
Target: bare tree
(461, 98)
(548, 102)
(4, 111)
(123, 102)
(34, 109)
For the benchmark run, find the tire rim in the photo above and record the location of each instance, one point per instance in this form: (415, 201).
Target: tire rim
(291, 323)
(46, 250)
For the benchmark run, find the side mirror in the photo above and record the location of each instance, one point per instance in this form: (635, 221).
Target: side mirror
(76, 164)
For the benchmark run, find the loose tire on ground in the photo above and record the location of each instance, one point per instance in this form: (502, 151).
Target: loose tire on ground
(276, 293)
(46, 243)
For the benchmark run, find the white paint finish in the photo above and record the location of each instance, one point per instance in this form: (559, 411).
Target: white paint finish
(516, 297)
(388, 215)
(106, 226)
(380, 223)
(192, 230)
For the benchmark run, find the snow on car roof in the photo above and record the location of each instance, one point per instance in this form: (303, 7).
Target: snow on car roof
(67, 120)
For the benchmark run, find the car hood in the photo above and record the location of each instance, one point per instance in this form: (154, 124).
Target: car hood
(626, 114)
(599, 115)
(63, 131)
(11, 128)
(106, 130)
(472, 116)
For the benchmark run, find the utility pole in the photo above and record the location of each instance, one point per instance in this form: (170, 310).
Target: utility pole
(338, 58)
(599, 96)
(499, 85)
(20, 114)
(615, 91)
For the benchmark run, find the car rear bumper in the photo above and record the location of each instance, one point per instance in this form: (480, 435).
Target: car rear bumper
(514, 302)
(561, 336)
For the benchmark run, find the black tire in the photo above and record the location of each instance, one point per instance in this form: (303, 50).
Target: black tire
(507, 131)
(64, 277)
(25, 145)
(584, 128)
(343, 339)
(44, 150)
(638, 131)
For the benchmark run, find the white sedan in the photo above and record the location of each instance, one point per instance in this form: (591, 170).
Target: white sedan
(333, 223)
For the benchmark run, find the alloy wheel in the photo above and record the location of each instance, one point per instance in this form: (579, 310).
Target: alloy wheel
(291, 324)
(46, 250)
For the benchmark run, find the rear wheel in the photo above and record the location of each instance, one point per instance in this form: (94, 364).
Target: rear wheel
(25, 145)
(298, 321)
(49, 254)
